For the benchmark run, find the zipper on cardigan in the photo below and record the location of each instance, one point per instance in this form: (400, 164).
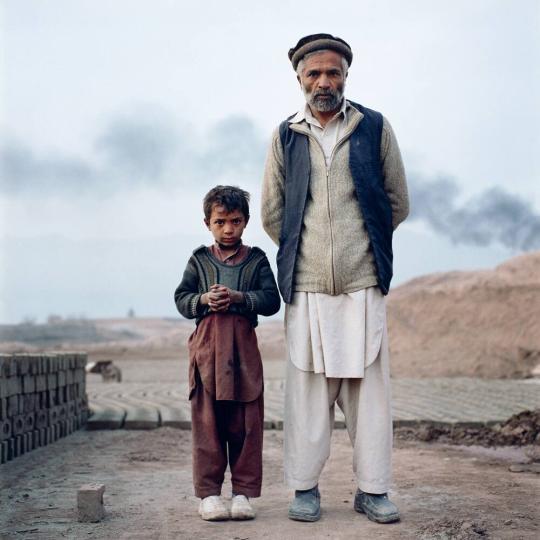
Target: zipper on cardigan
(327, 167)
(327, 170)
(332, 273)
(346, 135)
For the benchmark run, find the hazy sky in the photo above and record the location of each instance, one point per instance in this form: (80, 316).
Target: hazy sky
(117, 117)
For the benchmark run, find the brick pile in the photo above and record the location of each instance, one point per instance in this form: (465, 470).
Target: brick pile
(42, 398)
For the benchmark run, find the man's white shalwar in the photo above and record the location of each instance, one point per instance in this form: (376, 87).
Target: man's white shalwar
(338, 352)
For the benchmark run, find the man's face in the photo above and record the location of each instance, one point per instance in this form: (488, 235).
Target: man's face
(226, 227)
(323, 81)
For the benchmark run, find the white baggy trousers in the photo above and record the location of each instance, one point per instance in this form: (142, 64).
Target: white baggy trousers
(310, 400)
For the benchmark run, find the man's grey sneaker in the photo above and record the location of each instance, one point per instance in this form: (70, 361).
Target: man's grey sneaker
(376, 507)
(306, 505)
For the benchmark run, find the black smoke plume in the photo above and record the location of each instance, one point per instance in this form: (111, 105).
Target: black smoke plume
(493, 216)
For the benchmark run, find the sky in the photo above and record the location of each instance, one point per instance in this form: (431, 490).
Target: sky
(117, 117)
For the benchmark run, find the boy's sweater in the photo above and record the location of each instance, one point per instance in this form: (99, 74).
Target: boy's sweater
(223, 350)
(253, 276)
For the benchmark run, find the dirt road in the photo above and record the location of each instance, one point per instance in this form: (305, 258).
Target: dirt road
(443, 492)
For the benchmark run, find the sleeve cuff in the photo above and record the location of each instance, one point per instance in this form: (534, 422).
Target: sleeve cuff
(194, 304)
(251, 301)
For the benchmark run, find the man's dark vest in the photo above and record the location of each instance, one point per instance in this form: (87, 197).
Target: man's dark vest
(365, 167)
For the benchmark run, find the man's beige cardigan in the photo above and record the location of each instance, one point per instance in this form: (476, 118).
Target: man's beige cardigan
(334, 255)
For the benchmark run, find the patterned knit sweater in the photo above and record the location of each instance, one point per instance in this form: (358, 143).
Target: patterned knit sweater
(253, 276)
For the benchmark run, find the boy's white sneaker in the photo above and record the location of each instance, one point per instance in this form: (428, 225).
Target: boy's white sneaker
(241, 509)
(212, 509)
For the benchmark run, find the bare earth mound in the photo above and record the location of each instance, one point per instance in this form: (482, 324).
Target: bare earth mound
(483, 323)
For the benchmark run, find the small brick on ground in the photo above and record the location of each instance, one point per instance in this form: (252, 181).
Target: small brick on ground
(90, 503)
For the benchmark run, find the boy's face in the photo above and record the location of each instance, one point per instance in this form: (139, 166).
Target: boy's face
(226, 227)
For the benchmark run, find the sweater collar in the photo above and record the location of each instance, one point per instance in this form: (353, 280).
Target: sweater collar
(354, 117)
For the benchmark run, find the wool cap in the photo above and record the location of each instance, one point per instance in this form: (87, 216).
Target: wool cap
(317, 42)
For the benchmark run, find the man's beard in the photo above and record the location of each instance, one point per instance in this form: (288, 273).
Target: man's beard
(325, 104)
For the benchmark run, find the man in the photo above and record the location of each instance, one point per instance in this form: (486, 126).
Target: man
(334, 191)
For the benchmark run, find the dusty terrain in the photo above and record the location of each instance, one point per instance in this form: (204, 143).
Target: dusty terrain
(443, 492)
(461, 323)
(479, 324)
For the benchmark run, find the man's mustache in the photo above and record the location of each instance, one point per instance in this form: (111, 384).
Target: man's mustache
(328, 93)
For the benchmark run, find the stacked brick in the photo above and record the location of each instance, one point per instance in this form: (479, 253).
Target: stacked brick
(42, 398)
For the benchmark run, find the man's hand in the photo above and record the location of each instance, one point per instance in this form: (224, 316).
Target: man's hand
(219, 298)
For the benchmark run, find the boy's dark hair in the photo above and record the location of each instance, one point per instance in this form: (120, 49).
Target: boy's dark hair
(231, 197)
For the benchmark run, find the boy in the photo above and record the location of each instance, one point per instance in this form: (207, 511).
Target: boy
(224, 287)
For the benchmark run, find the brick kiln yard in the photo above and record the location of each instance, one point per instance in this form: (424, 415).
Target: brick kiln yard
(462, 482)
(443, 490)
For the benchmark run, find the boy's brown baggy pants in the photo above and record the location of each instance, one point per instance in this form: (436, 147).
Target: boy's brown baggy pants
(221, 430)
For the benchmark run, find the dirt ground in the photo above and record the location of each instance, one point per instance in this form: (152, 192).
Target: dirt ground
(447, 487)
(443, 492)
(522, 429)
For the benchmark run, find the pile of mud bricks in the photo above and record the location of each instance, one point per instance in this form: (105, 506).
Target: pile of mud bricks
(42, 398)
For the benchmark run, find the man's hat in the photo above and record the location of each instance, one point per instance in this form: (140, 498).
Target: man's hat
(317, 42)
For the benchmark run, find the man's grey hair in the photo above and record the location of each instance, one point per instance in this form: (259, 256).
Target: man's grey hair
(301, 64)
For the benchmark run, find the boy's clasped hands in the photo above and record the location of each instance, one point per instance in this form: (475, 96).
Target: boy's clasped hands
(219, 298)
